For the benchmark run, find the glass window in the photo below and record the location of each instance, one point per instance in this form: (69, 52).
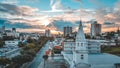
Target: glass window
(82, 57)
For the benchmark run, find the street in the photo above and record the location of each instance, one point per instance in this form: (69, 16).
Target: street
(37, 60)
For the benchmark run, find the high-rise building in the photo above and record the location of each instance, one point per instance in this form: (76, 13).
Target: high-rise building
(67, 31)
(47, 33)
(13, 29)
(118, 31)
(2, 29)
(95, 29)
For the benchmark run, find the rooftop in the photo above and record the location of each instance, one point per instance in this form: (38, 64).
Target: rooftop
(97, 59)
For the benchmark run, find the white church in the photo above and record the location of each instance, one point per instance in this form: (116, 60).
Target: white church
(80, 53)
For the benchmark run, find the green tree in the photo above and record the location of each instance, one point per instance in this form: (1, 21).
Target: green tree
(87, 36)
(29, 40)
(21, 44)
(4, 61)
(1, 43)
(29, 46)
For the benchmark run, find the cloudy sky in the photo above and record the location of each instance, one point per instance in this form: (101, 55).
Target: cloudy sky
(38, 15)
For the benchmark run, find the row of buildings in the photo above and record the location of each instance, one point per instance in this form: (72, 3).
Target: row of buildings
(95, 29)
(11, 39)
(80, 52)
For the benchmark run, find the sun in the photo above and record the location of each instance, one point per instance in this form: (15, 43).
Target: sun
(46, 22)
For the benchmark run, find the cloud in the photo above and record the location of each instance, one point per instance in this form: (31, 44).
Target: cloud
(108, 23)
(59, 15)
(109, 17)
(103, 15)
(98, 3)
(56, 5)
(17, 10)
(78, 1)
(10, 1)
(59, 24)
(8, 24)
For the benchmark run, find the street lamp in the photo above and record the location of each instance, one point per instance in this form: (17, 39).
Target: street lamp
(45, 57)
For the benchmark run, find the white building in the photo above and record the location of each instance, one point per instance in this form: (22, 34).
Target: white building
(34, 36)
(9, 51)
(79, 56)
(12, 33)
(12, 42)
(95, 29)
(94, 46)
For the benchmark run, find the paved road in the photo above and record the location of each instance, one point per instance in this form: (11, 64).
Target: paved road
(35, 63)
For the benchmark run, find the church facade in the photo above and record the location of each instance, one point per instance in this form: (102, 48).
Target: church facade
(83, 53)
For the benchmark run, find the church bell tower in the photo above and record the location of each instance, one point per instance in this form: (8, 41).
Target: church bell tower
(80, 54)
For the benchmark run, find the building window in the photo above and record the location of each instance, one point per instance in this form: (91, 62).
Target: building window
(81, 44)
(89, 44)
(89, 47)
(82, 57)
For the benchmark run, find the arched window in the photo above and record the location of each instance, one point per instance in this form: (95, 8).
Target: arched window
(82, 56)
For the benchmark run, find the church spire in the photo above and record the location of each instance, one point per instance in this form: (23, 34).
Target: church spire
(80, 52)
(118, 31)
(80, 25)
(80, 37)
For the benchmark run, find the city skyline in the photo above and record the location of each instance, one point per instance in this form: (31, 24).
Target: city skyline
(38, 15)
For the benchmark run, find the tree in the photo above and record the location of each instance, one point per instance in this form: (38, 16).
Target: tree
(52, 54)
(1, 42)
(4, 61)
(21, 44)
(29, 40)
(87, 36)
(29, 46)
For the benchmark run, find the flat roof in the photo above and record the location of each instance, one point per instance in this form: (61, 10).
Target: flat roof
(103, 58)
(98, 59)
